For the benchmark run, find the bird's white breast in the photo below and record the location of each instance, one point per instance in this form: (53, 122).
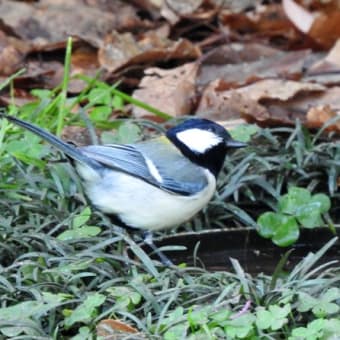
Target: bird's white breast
(141, 205)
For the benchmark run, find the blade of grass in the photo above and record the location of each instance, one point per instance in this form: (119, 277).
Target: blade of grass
(279, 268)
(11, 78)
(63, 94)
(241, 276)
(309, 261)
(142, 256)
(141, 104)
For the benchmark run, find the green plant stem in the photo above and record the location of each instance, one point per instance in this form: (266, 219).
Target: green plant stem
(11, 78)
(63, 94)
(141, 104)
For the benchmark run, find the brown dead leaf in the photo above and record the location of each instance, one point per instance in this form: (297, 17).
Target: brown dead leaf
(317, 116)
(121, 50)
(50, 21)
(237, 73)
(324, 103)
(278, 89)
(19, 98)
(265, 22)
(10, 60)
(327, 70)
(83, 61)
(235, 53)
(226, 105)
(193, 10)
(322, 26)
(306, 101)
(77, 135)
(128, 19)
(11, 57)
(184, 7)
(171, 91)
(269, 102)
(48, 74)
(115, 329)
(333, 56)
(229, 106)
(298, 15)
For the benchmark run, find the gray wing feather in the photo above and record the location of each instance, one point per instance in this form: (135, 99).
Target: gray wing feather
(123, 158)
(179, 175)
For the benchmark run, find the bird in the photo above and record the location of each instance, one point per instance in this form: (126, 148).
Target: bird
(154, 184)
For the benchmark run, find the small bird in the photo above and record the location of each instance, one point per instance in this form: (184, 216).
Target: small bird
(155, 184)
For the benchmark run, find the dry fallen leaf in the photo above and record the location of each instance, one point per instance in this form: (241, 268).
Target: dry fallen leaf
(83, 61)
(19, 97)
(48, 74)
(322, 26)
(121, 50)
(171, 91)
(269, 65)
(327, 70)
(11, 57)
(278, 89)
(299, 16)
(223, 105)
(324, 104)
(50, 21)
(262, 21)
(215, 99)
(111, 329)
(78, 135)
(273, 102)
(193, 10)
(319, 115)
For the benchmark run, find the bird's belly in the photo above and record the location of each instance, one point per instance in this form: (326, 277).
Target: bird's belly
(141, 205)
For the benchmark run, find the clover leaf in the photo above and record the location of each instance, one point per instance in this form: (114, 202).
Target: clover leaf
(273, 318)
(282, 229)
(322, 306)
(296, 208)
(295, 198)
(79, 227)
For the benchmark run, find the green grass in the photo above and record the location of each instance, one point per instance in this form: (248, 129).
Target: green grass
(65, 268)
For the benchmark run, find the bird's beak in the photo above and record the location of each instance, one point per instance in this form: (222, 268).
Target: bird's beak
(235, 144)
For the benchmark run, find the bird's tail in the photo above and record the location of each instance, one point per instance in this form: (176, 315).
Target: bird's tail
(68, 149)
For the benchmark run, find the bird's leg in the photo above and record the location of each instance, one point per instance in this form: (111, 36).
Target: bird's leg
(148, 239)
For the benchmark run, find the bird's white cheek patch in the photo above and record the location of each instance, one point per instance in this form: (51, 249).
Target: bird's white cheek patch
(199, 140)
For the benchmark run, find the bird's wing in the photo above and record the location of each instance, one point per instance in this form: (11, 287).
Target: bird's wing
(148, 161)
(179, 173)
(124, 158)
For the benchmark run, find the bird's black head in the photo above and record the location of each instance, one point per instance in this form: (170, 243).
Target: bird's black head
(204, 142)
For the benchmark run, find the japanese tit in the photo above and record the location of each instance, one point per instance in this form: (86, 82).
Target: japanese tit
(154, 184)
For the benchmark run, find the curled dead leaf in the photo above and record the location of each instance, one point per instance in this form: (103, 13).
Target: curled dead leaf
(110, 327)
